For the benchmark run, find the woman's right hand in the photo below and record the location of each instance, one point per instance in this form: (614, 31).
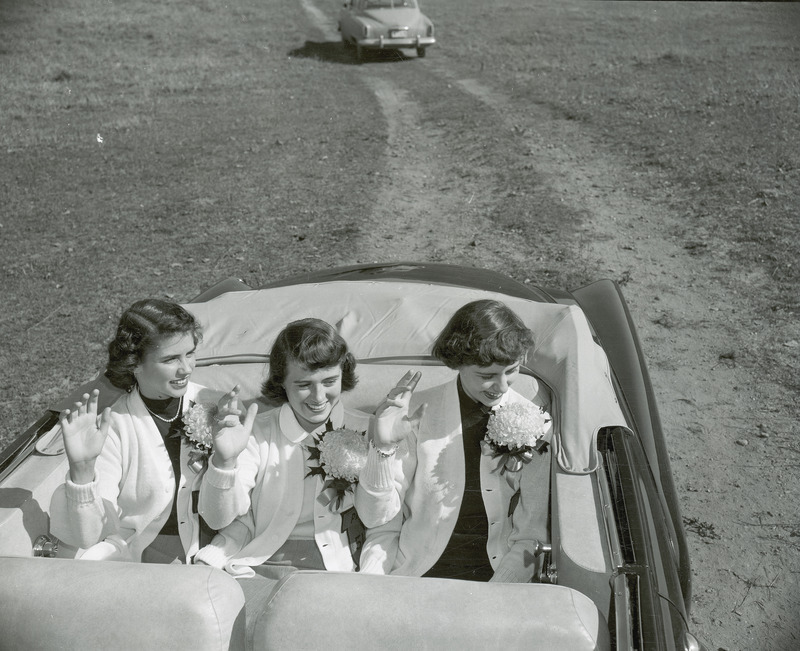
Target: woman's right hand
(392, 423)
(84, 435)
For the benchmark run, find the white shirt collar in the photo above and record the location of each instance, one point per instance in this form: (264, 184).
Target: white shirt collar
(292, 429)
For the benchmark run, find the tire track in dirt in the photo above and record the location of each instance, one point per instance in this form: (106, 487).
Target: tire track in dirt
(418, 207)
(406, 220)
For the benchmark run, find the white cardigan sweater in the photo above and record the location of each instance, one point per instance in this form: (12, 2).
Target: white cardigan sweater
(116, 516)
(416, 497)
(257, 505)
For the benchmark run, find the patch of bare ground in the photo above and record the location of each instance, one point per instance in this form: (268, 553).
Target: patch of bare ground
(403, 220)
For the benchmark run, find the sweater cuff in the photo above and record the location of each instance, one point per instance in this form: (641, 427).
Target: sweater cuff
(377, 474)
(507, 575)
(219, 478)
(81, 493)
(211, 555)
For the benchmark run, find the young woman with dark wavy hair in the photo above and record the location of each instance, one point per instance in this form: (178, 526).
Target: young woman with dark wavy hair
(274, 514)
(445, 503)
(128, 495)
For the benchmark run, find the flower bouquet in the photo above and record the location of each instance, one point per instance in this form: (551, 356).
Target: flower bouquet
(341, 454)
(197, 431)
(515, 431)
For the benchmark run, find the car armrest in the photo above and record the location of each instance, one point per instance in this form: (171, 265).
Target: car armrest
(67, 604)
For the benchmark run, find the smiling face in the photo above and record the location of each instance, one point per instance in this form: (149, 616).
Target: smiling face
(312, 394)
(488, 384)
(166, 367)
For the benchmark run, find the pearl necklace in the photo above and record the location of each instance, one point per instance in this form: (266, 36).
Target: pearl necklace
(161, 418)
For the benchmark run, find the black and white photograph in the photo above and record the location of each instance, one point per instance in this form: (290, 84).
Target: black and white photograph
(399, 324)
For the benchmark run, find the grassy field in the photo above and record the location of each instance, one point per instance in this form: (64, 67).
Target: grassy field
(152, 149)
(704, 99)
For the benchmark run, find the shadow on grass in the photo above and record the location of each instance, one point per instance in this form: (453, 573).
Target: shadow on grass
(336, 52)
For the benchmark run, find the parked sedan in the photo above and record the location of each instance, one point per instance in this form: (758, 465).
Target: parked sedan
(385, 25)
(615, 572)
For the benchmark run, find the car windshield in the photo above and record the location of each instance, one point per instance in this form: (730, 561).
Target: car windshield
(389, 4)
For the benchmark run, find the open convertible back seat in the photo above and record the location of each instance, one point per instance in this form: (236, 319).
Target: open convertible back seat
(393, 333)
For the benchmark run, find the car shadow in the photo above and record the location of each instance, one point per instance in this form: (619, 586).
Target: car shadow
(336, 52)
(34, 519)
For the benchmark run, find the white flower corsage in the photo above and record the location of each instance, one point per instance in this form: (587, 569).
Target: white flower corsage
(515, 431)
(340, 456)
(198, 432)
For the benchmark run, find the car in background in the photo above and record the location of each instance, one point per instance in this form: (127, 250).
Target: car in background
(385, 25)
(615, 574)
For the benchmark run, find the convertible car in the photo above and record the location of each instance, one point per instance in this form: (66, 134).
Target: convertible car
(615, 574)
(385, 25)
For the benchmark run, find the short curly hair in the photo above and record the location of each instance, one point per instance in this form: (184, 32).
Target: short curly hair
(141, 328)
(314, 344)
(483, 333)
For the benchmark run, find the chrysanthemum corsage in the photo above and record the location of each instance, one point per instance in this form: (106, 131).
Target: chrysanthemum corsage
(340, 455)
(515, 431)
(198, 432)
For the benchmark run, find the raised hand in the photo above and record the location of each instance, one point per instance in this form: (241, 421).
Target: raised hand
(230, 405)
(84, 435)
(231, 436)
(392, 423)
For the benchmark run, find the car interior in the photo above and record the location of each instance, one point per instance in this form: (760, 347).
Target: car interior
(390, 330)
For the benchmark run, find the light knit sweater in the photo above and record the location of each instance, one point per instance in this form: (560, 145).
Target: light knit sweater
(257, 505)
(116, 516)
(413, 499)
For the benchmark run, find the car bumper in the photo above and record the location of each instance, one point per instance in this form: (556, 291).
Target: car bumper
(381, 42)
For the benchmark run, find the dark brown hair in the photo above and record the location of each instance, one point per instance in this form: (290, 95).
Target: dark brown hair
(483, 333)
(314, 344)
(142, 327)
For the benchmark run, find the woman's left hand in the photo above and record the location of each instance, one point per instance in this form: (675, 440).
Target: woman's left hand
(392, 422)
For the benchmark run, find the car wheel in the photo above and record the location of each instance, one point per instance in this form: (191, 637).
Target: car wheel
(420, 52)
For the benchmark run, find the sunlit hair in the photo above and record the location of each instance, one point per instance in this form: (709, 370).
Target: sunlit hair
(483, 333)
(313, 344)
(142, 327)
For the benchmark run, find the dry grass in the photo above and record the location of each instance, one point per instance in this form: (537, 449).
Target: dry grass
(705, 98)
(211, 136)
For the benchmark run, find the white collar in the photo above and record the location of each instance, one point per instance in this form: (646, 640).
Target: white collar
(294, 431)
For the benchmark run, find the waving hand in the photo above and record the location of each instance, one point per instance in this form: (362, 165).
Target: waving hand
(84, 436)
(392, 423)
(230, 433)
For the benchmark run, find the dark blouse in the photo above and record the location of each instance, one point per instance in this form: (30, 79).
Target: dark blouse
(170, 432)
(465, 556)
